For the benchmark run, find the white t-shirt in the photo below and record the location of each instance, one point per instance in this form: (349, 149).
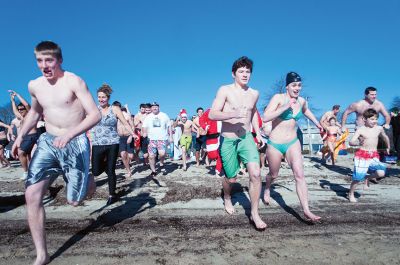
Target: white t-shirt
(157, 126)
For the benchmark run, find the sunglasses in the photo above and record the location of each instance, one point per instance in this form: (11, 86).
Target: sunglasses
(21, 109)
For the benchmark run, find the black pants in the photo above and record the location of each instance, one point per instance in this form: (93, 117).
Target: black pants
(104, 159)
(396, 142)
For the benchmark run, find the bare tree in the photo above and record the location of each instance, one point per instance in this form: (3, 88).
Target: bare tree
(6, 113)
(279, 87)
(395, 102)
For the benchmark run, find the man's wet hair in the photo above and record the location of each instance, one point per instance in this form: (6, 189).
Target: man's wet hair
(49, 47)
(106, 89)
(142, 105)
(370, 113)
(124, 109)
(242, 62)
(336, 107)
(332, 118)
(148, 105)
(199, 108)
(369, 89)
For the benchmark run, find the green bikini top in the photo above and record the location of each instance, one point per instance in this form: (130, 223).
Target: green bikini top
(288, 114)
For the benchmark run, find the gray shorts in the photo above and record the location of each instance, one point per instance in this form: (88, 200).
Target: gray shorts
(72, 161)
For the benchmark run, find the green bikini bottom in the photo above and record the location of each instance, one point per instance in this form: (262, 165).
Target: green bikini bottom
(282, 147)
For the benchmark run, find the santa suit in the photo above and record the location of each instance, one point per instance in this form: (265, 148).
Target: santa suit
(213, 129)
(259, 126)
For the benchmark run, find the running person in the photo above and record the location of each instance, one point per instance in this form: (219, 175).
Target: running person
(324, 121)
(332, 132)
(235, 106)
(4, 141)
(126, 144)
(144, 111)
(366, 159)
(69, 111)
(157, 128)
(29, 140)
(284, 110)
(186, 138)
(105, 142)
(138, 121)
(200, 143)
(369, 102)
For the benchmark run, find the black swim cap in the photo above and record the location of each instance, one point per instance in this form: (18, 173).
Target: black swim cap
(292, 77)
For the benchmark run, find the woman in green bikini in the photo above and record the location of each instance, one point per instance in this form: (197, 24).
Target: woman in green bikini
(284, 110)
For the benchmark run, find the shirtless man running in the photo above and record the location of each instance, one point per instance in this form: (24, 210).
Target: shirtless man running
(29, 140)
(144, 110)
(324, 121)
(369, 102)
(200, 137)
(126, 148)
(69, 111)
(235, 106)
(186, 138)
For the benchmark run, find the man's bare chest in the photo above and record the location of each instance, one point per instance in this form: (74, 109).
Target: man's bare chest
(240, 100)
(51, 98)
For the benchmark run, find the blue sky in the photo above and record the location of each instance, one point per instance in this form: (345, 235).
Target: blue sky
(179, 52)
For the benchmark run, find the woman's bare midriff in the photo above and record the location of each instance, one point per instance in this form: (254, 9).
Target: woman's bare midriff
(283, 131)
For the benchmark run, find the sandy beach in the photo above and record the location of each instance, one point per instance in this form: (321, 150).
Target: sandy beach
(178, 218)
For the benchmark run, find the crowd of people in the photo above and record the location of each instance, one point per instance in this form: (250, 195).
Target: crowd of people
(78, 132)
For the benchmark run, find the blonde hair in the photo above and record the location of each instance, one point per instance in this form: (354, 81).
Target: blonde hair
(106, 89)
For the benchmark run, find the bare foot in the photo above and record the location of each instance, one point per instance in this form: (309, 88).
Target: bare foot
(352, 198)
(228, 206)
(312, 217)
(257, 222)
(267, 197)
(42, 260)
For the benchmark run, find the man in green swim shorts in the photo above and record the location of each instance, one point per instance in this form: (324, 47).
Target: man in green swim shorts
(186, 138)
(235, 106)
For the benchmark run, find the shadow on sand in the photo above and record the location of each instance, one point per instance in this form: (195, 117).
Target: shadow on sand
(238, 196)
(8, 203)
(338, 169)
(337, 188)
(281, 202)
(130, 208)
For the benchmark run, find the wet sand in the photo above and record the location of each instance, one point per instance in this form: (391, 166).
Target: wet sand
(178, 218)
